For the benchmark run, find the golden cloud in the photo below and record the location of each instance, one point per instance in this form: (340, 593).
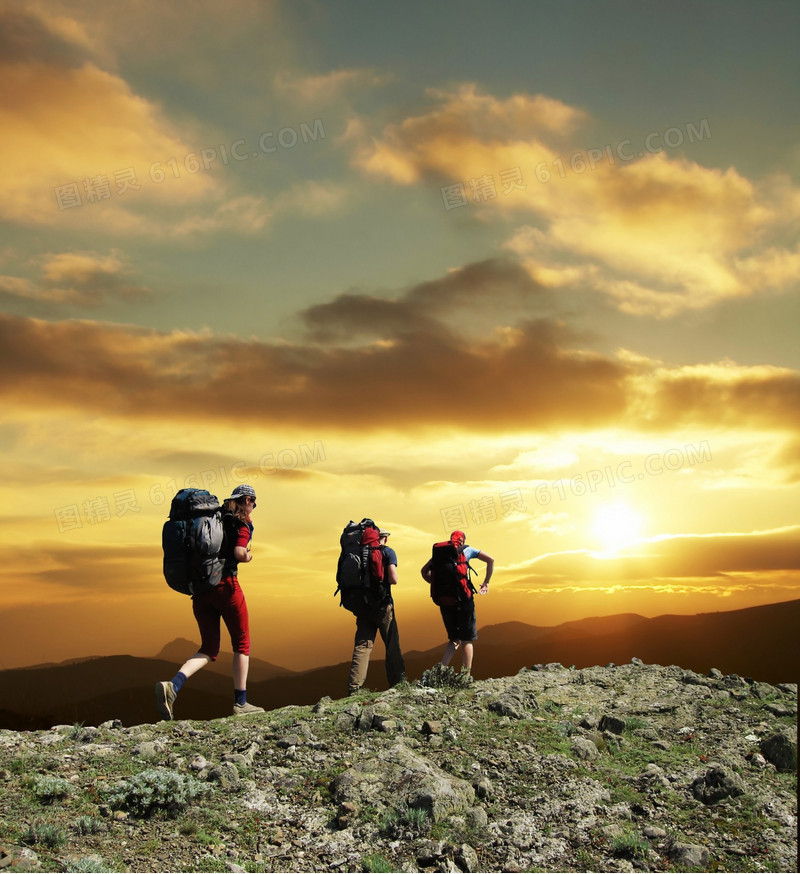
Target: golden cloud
(327, 86)
(658, 236)
(674, 560)
(85, 279)
(444, 143)
(65, 572)
(78, 136)
(657, 233)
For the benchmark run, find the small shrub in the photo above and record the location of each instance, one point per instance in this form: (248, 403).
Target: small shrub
(390, 820)
(377, 863)
(417, 818)
(88, 865)
(444, 676)
(630, 845)
(205, 838)
(211, 865)
(155, 790)
(395, 822)
(634, 723)
(88, 825)
(44, 833)
(49, 789)
(586, 860)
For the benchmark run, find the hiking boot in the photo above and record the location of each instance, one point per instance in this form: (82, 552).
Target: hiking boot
(165, 698)
(247, 707)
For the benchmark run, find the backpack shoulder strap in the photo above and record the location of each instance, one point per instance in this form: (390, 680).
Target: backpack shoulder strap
(230, 531)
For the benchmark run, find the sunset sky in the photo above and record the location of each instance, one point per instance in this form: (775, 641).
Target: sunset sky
(529, 269)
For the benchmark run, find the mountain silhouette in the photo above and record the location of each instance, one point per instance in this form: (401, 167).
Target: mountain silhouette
(757, 642)
(178, 650)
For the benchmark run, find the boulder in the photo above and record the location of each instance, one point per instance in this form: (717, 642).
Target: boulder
(585, 748)
(688, 857)
(403, 777)
(614, 724)
(515, 704)
(717, 783)
(226, 774)
(781, 749)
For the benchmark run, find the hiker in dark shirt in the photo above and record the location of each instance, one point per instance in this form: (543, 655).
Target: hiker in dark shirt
(374, 618)
(224, 602)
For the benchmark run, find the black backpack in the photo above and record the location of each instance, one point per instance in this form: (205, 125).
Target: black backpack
(193, 542)
(359, 572)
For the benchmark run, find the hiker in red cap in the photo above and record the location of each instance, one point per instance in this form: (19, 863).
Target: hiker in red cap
(378, 617)
(448, 573)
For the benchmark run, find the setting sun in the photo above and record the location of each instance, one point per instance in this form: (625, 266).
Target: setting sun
(616, 526)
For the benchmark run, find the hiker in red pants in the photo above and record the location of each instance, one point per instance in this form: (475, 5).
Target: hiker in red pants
(225, 602)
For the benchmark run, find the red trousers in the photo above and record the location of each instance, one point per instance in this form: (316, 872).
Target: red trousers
(226, 602)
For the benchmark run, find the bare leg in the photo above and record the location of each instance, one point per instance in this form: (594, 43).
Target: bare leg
(241, 665)
(194, 663)
(466, 654)
(449, 652)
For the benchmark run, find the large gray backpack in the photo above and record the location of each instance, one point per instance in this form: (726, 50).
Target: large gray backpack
(192, 539)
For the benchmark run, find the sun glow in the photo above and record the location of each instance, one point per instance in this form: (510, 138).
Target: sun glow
(616, 526)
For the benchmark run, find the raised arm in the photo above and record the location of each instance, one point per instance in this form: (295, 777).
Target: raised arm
(484, 556)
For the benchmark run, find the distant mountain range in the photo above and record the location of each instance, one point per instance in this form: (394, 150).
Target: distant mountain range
(757, 642)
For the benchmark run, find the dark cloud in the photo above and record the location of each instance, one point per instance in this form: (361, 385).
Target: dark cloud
(394, 363)
(454, 304)
(369, 363)
(25, 38)
(727, 396)
(425, 379)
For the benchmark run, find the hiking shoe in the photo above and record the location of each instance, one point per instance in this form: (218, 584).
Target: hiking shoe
(247, 707)
(165, 698)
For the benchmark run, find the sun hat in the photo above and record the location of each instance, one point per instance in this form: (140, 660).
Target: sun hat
(384, 533)
(242, 491)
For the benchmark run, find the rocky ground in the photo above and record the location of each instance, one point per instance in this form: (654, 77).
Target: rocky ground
(618, 768)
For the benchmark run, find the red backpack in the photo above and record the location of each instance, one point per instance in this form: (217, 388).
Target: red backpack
(450, 582)
(359, 572)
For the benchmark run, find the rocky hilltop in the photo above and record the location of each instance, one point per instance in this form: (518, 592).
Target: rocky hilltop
(619, 768)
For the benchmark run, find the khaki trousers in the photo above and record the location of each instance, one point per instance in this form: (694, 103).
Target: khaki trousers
(368, 624)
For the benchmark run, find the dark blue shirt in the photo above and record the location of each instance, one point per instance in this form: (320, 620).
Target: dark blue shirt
(389, 557)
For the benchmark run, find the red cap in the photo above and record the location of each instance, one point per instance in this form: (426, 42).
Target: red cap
(458, 535)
